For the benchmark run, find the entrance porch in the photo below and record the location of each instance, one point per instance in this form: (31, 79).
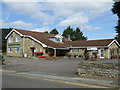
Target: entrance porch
(58, 52)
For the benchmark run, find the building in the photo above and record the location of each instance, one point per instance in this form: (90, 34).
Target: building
(23, 43)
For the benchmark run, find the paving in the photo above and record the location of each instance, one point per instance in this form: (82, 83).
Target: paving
(63, 69)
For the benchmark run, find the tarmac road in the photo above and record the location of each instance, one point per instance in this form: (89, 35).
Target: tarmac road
(15, 81)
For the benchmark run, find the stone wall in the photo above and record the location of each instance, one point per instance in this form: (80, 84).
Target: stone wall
(98, 69)
(13, 53)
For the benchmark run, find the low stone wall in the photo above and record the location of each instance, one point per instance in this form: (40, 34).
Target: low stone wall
(98, 69)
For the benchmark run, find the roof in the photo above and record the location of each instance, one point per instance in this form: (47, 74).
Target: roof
(102, 42)
(43, 38)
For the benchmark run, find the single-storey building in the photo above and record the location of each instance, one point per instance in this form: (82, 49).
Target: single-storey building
(23, 43)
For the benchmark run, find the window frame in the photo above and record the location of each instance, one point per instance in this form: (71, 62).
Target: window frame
(9, 50)
(17, 50)
(10, 40)
(17, 39)
(102, 53)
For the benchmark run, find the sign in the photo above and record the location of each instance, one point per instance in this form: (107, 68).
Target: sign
(91, 48)
(13, 46)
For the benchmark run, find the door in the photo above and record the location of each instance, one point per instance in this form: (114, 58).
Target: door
(32, 49)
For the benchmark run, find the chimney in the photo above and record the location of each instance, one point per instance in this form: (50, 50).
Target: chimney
(69, 38)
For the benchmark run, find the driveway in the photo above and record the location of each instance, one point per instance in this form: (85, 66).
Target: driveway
(62, 67)
(58, 67)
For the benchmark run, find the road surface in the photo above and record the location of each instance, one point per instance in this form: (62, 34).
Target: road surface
(16, 81)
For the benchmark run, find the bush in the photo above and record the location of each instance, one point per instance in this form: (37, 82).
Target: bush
(69, 55)
(54, 57)
(80, 55)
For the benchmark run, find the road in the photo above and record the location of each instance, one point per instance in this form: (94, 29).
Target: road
(16, 81)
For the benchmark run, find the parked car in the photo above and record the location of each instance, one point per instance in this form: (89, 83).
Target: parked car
(39, 54)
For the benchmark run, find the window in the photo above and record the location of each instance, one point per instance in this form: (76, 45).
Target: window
(17, 39)
(33, 42)
(58, 39)
(102, 52)
(36, 50)
(55, 39)
(10, 39)
(75, 50)
(9, 49)
(17, 50)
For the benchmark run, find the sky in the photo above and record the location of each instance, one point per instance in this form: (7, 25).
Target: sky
(95, 19)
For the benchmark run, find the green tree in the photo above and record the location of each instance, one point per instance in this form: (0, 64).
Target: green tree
(46, 32)
(54, 31)
(116, 10)
(4, 31)
(46, 50)
(79, 35)
(74, 34)
(69, 33)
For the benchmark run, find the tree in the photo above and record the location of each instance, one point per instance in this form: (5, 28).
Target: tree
(4, 31)
(74, 34)
(79, 35)
(116, 10)
(54, 31)
(69, 33)
(46, 32)
(46, 50)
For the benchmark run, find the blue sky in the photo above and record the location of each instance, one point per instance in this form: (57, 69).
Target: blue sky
(94, 18)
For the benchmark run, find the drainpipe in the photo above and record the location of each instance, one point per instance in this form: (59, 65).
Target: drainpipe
(23, 46)
(54, 51)
(108, 53)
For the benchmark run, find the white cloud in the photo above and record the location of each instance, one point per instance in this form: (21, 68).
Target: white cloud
(65, 12)
(16, 24)
(32, 9)
(60, 14)
(41, 29)
(68, 8)
(59, 0)
(76, 19)
(88, 27)
(21, 24)
(112, 34)
(2, 23)
(50, 12)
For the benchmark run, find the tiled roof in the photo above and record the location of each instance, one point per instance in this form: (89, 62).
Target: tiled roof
(43, 37)
(103, 42)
